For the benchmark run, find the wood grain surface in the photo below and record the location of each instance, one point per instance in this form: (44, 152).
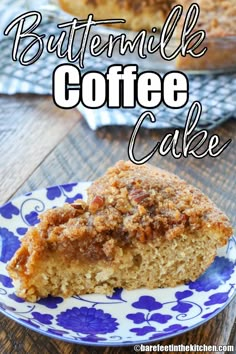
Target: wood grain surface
(42, 145)
(29, 131)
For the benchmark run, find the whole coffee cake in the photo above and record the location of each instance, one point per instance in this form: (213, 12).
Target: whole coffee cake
(217, 16)
(140, 227)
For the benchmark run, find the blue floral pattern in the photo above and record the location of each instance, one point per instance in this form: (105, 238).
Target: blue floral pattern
(42, 318)
(58, 191)
(6, 281)
(32, 218)
(9, 210)
(21, 231)
(9, 244)
(219, 272)
(87, 320)
(51, 302)
(123, 317)
(147, 303)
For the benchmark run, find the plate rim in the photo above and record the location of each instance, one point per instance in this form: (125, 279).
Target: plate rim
(117, 344)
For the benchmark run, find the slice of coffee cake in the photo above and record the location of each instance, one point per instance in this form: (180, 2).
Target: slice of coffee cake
(141, 227)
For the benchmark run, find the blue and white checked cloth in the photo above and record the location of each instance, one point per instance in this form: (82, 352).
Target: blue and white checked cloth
(217, 93)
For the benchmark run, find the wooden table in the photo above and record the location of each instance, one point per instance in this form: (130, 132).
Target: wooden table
(42, 145)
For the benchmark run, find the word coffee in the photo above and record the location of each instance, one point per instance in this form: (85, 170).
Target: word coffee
(120, 86)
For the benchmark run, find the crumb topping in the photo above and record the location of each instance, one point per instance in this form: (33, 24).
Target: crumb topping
(128, 204)
(137, 6)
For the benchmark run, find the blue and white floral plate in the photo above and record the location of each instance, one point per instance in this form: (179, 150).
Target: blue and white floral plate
(125, 318)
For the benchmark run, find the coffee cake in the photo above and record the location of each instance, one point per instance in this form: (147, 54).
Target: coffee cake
(140, 227)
